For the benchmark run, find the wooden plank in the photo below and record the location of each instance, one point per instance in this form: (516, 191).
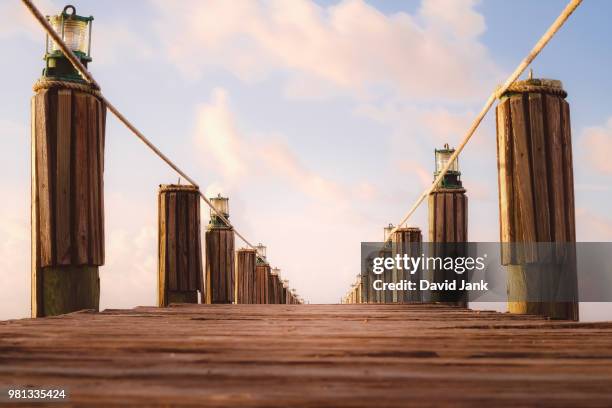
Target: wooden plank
(555, 165)
(450, 221)
(311, 355)
(460, 224)
(568, 174)
(193, 229)
(62, 177)
(101, 142)
(538, 166)
(522, 173)
(439, 205)
(95, 178)
(182, 245)
(172, 245)
(35, 277)
(431, 215)
(81, 202)
(43, 172)
(162, 282)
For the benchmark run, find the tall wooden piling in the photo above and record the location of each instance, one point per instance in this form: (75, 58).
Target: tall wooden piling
(273, 296)
(536, 196)
(179, 244)
(448, 225)
(219, 255)
(245, 275)
(68, 131)
(285, 295)
(262, 273)
(408, 241)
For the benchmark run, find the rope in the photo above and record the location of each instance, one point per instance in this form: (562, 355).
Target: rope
(44, 83)
(498, 93)
(76, 62)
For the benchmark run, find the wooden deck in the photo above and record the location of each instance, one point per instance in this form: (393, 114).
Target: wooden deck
(311, 356)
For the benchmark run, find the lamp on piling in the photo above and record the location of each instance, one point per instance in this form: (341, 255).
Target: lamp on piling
(75, 30)
(261, 251)
(452, 178)
(221, 205)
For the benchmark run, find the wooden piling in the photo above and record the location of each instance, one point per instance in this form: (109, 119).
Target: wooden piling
(262, 271)
(220, 286)
(68, 131)
(245, 275)
(408, 241)
(273, 295)
(179, 244)
(536, 195)
(448, 215)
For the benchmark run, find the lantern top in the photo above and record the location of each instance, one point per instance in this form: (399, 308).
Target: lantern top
(261, 250)
(452, 177)
(75, 31)
(387, 231)
(220, 204)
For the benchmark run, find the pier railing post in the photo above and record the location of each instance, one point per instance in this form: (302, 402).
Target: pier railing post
(219, 255)
(448, 215)
(408, 241)
(262, 271)
(68, 131)
(180, 248)
(245, 275)
(536, 197)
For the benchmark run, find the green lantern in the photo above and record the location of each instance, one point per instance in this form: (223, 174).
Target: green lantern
(221, 205)
(75, 31)
(452, 178)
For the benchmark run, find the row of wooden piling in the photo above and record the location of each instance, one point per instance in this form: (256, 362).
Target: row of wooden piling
(68, 134)
(536, 203)
(229, 276)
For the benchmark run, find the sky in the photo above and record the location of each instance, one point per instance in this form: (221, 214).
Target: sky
(317, 118)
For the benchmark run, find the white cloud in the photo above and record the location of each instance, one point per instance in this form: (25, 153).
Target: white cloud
(349, 46)
(596, 147)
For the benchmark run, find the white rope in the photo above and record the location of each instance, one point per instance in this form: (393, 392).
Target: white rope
(87, 75)
(552, 30)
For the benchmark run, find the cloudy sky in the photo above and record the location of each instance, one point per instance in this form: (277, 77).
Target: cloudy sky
(317, 118)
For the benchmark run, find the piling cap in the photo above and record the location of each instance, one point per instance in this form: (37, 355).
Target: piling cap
(537, 85)
(173, 188)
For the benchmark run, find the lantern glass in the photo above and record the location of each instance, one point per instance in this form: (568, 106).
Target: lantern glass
(442, 157)
(285, 283)
(74, 30)
(388, 230)
(221, 204)
(261, 250)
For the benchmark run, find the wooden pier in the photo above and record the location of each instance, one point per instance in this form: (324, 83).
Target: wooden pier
(311, 356)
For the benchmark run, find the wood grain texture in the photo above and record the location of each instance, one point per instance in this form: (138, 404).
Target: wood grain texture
(180, 253)
(408, 241)
(245, 276)
(311, 356)
(219, 265)
(262, 270)
(68, 128)
(67, 200)
(536, 195)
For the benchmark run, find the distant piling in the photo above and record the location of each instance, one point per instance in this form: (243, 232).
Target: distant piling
(219, 255)
(408, 241)
(246, 259)
(179, 245)
(262, 272)
(536, 197)
(448, 224)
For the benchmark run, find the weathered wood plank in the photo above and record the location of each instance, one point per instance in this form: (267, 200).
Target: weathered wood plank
(522, 168)
(62, 187)
(311, 355)
(555, 166)
(43, 171)
(82, 184)
(171, 247)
